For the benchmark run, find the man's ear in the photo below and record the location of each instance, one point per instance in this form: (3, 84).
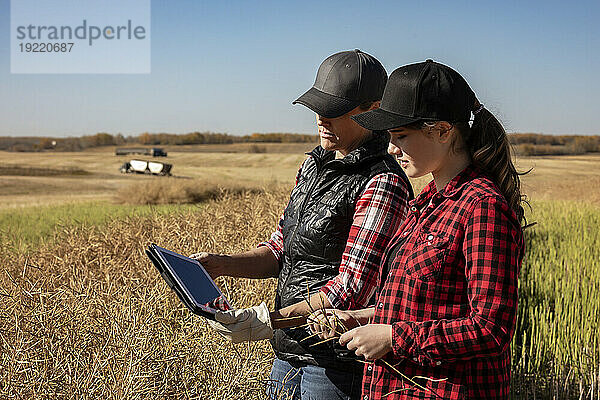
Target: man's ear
(445, 130)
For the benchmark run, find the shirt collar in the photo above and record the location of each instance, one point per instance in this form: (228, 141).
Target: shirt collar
(451, 188)
(374, 147)
(423, 197)
(465, 176)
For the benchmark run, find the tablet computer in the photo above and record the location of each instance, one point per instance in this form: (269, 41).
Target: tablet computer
(189, 280)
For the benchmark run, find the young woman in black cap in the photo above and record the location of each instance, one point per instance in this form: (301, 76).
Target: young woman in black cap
(349, 199)
(447, 302)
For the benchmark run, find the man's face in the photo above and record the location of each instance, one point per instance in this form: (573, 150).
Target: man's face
(341, 133)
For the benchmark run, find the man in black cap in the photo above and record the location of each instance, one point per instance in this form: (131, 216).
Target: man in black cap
(349, 199)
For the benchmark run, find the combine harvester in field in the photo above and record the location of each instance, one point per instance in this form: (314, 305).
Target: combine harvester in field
(146, 167)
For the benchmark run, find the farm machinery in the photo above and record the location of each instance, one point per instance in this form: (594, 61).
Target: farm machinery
(154, 151)
(146, 167)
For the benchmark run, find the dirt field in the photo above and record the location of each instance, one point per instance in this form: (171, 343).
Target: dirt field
(558, 177)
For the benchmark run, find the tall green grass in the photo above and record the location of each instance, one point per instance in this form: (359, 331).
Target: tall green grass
(556, 349)
(28, 227)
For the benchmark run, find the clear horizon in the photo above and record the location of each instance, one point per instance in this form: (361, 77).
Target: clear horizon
(235, 67)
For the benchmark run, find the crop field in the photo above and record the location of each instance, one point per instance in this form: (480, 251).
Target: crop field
(84, 315)
(97, 174)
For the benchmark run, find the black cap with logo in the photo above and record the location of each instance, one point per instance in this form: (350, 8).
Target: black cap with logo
(427, 91)
(344, 81)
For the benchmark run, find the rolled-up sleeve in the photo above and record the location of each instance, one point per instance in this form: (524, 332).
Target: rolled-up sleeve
(275, 242)
(378, 214)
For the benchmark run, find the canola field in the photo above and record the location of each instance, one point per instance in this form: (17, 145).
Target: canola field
(84, 315)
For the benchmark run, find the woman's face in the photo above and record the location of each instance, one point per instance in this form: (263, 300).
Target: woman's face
(419, 152)
(341, 133)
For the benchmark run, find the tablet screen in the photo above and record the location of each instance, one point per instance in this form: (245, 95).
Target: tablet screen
(197, 283)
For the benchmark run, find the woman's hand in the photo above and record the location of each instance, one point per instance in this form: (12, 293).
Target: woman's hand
(257, 263)
(330, 323)
(214, 264)
(371, 341)
(245, 325)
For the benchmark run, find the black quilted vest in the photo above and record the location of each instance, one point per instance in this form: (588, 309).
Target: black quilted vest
(316, 224)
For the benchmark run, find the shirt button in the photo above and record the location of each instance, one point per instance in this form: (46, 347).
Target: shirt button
(430, 237)
(370, 368)
(404, 233)
(366, 397)
(380, 305)
(438, 363)
(413, 209)
(415, 359)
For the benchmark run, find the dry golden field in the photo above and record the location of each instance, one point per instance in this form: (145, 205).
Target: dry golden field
(84, 314)
(88, 317)
(233, 164)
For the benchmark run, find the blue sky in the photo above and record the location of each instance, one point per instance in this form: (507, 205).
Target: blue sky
(236, 66)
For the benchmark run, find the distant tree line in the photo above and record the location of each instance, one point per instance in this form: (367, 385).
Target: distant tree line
(536, 144)
(9, 143)
(527, 144)
(34, 143)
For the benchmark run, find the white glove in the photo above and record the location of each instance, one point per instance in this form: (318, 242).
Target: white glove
(245, 325)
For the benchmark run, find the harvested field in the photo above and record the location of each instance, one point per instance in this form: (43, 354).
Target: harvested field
(248, 170)
(18, 170)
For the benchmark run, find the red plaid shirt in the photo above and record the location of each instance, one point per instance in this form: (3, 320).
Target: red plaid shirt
(450, 296)
(379, 211)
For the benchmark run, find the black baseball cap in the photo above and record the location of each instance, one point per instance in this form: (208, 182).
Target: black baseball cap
(344, 81)
(427, 91)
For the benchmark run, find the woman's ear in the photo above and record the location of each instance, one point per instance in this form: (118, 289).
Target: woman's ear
(446, 131)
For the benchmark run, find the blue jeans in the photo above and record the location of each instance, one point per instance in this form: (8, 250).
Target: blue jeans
(311, 382)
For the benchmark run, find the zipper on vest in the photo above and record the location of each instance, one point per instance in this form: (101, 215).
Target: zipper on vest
(301, 216)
